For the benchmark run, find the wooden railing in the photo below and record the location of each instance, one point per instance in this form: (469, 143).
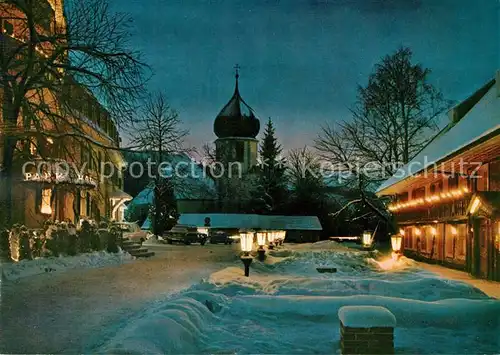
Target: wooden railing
(437, 212)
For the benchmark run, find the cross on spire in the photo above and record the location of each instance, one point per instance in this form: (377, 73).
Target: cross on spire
(237, 71)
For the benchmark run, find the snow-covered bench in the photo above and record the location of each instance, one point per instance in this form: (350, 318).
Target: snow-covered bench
(366, 330)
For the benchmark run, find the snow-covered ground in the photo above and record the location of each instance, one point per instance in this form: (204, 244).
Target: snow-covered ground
(160, 306)
(26, 268)
(285, 306)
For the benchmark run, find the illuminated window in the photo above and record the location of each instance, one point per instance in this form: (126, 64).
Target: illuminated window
(8, 28)
(33, 150)
(45, 208)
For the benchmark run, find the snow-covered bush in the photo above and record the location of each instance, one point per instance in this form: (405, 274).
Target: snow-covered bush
(37, 244)
(114, 236)
(14, 241)
(57, 238)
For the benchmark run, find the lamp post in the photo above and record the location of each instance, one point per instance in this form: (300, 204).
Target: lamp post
(261, 241)
(271, 236)
(396, 246)
(281, 237)
(246, 238)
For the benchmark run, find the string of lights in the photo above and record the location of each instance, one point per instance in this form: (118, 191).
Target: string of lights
(432, 199)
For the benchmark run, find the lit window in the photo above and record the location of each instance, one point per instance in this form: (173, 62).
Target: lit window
(8, 28)
(33, 150)
(83, 203)
(46, 197)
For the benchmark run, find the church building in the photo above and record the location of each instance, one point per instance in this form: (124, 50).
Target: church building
(236, 128)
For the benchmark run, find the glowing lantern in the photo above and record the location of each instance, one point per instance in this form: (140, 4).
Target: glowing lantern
(433, 231)
(401, 231)
(418, 232)
(396, 242)
(261, 238)
(271, 237)
(454, 230)
(246, 247)
(279, 237)
(367, 239)
(246, 241)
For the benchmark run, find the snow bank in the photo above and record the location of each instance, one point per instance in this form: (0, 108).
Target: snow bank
(356, 275)
(286, 306)
(449, 313)
(26, 268)
(322, 245)
(176, 326)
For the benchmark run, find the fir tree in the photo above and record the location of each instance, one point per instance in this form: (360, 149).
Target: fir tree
(163, 211)
(272, 181)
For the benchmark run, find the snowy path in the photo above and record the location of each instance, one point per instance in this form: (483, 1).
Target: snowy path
(491, 288)
(64, 312)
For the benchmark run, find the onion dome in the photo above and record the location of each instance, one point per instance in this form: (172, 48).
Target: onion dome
(236, 119)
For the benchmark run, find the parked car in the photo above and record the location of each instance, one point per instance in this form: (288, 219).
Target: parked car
(132, 231)
(220, 237)
(186, 235)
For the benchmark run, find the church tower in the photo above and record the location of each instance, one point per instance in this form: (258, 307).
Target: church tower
(236, 128)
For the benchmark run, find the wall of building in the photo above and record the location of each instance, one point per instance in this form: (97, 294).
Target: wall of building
(74, 112)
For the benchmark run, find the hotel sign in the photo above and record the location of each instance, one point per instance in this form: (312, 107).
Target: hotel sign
(59, 178)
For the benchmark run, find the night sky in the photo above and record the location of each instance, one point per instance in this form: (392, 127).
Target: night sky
(301, 60)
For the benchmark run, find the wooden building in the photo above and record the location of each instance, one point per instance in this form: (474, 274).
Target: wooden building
(446, 201)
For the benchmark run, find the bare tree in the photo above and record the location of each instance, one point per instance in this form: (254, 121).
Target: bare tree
(53, 61)
(158, 128)
(158, 132)
(394, 118)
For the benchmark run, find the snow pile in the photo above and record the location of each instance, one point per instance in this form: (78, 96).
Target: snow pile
(286, 306)
(26, 268)
(322, 245)
(175, 326)
(388, 264)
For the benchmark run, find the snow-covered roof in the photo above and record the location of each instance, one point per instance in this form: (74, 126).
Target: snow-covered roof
(480, 120)
(191, 181)
(233, 220)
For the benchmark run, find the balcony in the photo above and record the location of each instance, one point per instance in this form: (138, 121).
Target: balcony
(445, 211)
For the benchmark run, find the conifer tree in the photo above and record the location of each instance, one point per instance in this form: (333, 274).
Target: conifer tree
(272, 180)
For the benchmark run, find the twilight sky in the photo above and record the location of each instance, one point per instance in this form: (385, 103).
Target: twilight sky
(302, 59)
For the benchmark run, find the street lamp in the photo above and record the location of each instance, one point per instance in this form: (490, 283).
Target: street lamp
(282, 235)
(367, 239)
(261, 241)
(396, 246)
(246, 238)
(271, 236)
